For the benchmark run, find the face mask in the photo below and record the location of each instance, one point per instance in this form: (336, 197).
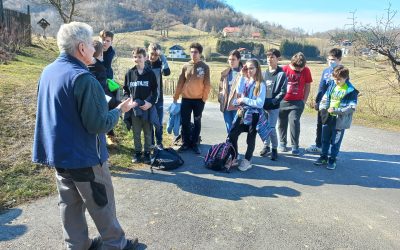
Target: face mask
(332, 64)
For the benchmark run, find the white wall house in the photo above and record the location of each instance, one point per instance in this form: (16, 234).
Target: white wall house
(177, 51)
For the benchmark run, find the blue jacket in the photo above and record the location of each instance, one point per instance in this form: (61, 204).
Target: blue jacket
(346, 107)
(326, 77)
(108, 57)
(174, 121)
(72, 117)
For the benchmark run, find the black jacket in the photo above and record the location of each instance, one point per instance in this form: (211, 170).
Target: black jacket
(278, 89)
(141, 86)
(159, 72)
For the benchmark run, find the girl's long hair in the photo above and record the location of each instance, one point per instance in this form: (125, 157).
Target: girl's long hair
(258, 78)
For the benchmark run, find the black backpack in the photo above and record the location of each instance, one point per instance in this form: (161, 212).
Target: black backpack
(218, 155)
(178, 139)
(166, 159)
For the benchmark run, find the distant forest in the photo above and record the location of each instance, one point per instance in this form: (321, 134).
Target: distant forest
(132, 15)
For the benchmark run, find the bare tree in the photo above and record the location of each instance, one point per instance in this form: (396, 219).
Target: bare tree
(383, 38)
(163, 21)
(66, 9)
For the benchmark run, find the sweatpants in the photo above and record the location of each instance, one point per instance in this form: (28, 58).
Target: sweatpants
(290, 116)
(238, 128)
(88, 188)
(189, 106)
(139, 125)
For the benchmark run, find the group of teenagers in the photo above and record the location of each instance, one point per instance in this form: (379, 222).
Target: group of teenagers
(248, 98)
(75, 110)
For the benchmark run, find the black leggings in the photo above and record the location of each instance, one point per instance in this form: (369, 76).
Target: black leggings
(238, 128)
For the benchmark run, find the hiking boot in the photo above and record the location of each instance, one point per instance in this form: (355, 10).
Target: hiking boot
(244, 165)
(147, 158)
(183, 148)
(266, 149)
(137, 158)
(321, 161)
(283, 148)
(131, 244)
(274, 154)
(331, 164)
(196, 149)
(96, 243)
(314, 149)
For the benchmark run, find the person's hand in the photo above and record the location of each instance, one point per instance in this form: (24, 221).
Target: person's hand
(244, 71)
(239, 100)
(146, 105)
(331, 110)
(127, 105)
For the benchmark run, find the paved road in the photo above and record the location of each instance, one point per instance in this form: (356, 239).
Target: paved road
(288, 204)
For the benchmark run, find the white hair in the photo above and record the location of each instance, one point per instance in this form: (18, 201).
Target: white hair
(71, 34)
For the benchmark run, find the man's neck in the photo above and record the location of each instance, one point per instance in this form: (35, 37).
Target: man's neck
(272, 68)
(140, 68)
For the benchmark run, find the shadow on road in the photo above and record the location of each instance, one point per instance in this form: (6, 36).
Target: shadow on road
(10, 232)
(354, 168)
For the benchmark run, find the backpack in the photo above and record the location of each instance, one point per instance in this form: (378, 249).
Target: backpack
(218, 155)
(178, 139)
(166, 159)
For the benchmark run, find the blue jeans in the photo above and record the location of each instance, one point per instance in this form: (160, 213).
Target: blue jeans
(158, 132)
(331, 137)
(272, 119)
(229, 116)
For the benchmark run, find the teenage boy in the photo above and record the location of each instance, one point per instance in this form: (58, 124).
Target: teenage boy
(334, 59)
(276, 83)
(141, 85)
(106, 38)
(194, 85)
(292, 106)
(158, 63)
(336, 107)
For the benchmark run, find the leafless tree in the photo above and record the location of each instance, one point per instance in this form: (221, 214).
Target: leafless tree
(383, 38)
(67, 9)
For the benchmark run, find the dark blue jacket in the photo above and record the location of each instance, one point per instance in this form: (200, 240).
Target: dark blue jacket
(108, 56)
(323, 85)
(72, 117)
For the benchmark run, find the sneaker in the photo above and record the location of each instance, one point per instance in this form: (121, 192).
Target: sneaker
(274, 154)
(321, 161)
(283, 148)
(110, 140)
(196, 149)
(295, 151)
(313, 149)
(97, 242)
(137, 158)
(160, 146)
(131, 244)
(183, 148)
(331, 164)
(245, 165)
(266, 149)
(147, 158)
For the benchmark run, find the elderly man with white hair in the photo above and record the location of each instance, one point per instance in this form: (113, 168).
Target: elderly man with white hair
(71, 121)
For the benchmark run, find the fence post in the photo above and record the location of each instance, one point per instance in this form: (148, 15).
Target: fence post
(1, 13)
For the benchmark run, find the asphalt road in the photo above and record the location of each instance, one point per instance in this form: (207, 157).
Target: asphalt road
(287, 204)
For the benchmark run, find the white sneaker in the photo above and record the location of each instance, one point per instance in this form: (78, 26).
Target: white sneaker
(313, 149)
(244, 165)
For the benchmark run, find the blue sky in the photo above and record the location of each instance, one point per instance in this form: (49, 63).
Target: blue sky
(315, 15)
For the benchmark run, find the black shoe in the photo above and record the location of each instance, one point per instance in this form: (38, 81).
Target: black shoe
(196, 149)
(274, 154)
(147, 158)
(96, 243)
(131, 244)
(265, 150)
(160, 146)
(183, 148)
(321, 161)
(331, 164)
(137, 158)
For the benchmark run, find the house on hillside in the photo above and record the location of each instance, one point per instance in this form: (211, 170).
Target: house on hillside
(176, 51)
(245, 53)
(231, 31)
(256, 35)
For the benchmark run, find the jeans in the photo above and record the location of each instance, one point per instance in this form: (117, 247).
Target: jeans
(158, 133)
(290, 117)
(188, 106)
(238, 128)
(331, 137)
(318, 139)
(229, 116)
(272, 119)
